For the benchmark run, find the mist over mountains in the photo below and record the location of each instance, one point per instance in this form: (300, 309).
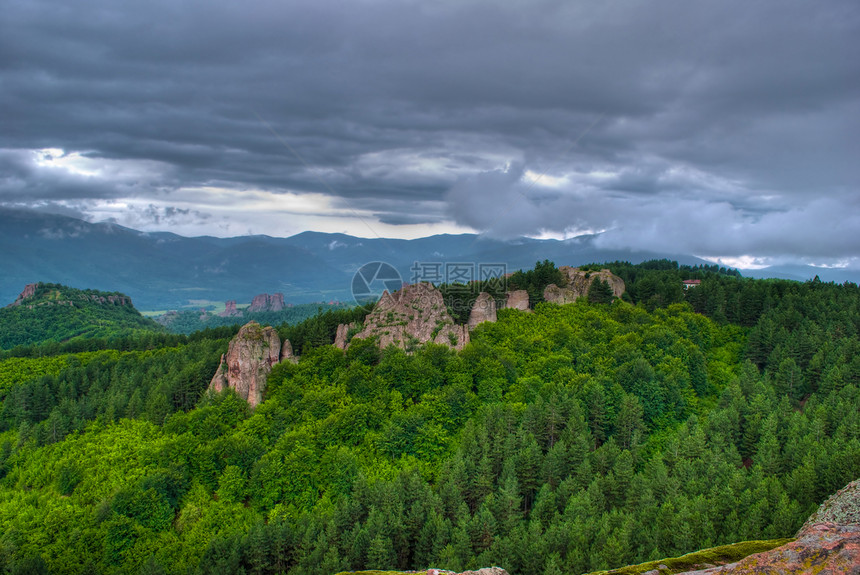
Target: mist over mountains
(161, 270)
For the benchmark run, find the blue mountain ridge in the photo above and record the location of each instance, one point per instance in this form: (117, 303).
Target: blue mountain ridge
(162, 270)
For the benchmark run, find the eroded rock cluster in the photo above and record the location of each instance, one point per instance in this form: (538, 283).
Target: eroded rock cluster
(413, 315)
(249, 360)
(416, 314)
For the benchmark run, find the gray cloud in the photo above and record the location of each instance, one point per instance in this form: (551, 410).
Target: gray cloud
(700, 118)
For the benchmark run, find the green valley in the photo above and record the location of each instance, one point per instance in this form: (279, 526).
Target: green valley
(563, 439)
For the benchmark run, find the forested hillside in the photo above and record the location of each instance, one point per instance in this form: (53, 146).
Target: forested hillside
(53, 312)
(562, 440)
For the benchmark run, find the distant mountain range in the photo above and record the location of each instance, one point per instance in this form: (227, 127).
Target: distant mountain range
(161, 270)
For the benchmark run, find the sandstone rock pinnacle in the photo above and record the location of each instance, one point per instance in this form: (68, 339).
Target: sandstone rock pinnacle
(248, 362)
(484, 309)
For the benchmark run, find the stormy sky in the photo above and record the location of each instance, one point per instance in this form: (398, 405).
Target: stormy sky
(728, 130)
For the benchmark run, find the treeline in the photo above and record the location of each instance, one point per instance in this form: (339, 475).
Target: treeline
(107, 386)
(188, 322)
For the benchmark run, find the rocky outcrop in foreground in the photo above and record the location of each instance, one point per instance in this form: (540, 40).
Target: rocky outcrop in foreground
(578, 282)
(829, 542)
(413, 315)
(249, 360)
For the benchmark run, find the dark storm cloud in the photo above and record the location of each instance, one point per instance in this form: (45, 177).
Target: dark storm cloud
(648, 117)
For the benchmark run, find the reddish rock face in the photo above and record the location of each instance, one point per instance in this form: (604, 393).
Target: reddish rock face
(248, 361)
(829, 542)
(823, 548)
(415, 314)
(484, 309)
(29, 291)
(266, 302)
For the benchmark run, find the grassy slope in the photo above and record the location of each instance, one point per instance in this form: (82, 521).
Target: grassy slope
(705, 558)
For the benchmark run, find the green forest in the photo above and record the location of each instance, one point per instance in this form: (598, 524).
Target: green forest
(567, 439)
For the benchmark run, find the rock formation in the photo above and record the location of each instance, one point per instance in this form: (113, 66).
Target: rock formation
(518, 299)
(248, 361)
(29, 291)
(578, 282)
(413, 315)
(484, 309)
(341, 338)
(266, 302)
(112, 299)
(829, 542)
(287, 351)
(230, 309)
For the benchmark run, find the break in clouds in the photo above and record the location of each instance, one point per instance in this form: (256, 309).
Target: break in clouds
(723, 130)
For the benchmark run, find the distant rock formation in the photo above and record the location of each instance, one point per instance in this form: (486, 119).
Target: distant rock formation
(413, 315)
(484, 309)
(266, 302)
(230, 309)
(578, 282)
(829, 542)
(518, 299)
(249, 360)
(29, 291)
(112, 299)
